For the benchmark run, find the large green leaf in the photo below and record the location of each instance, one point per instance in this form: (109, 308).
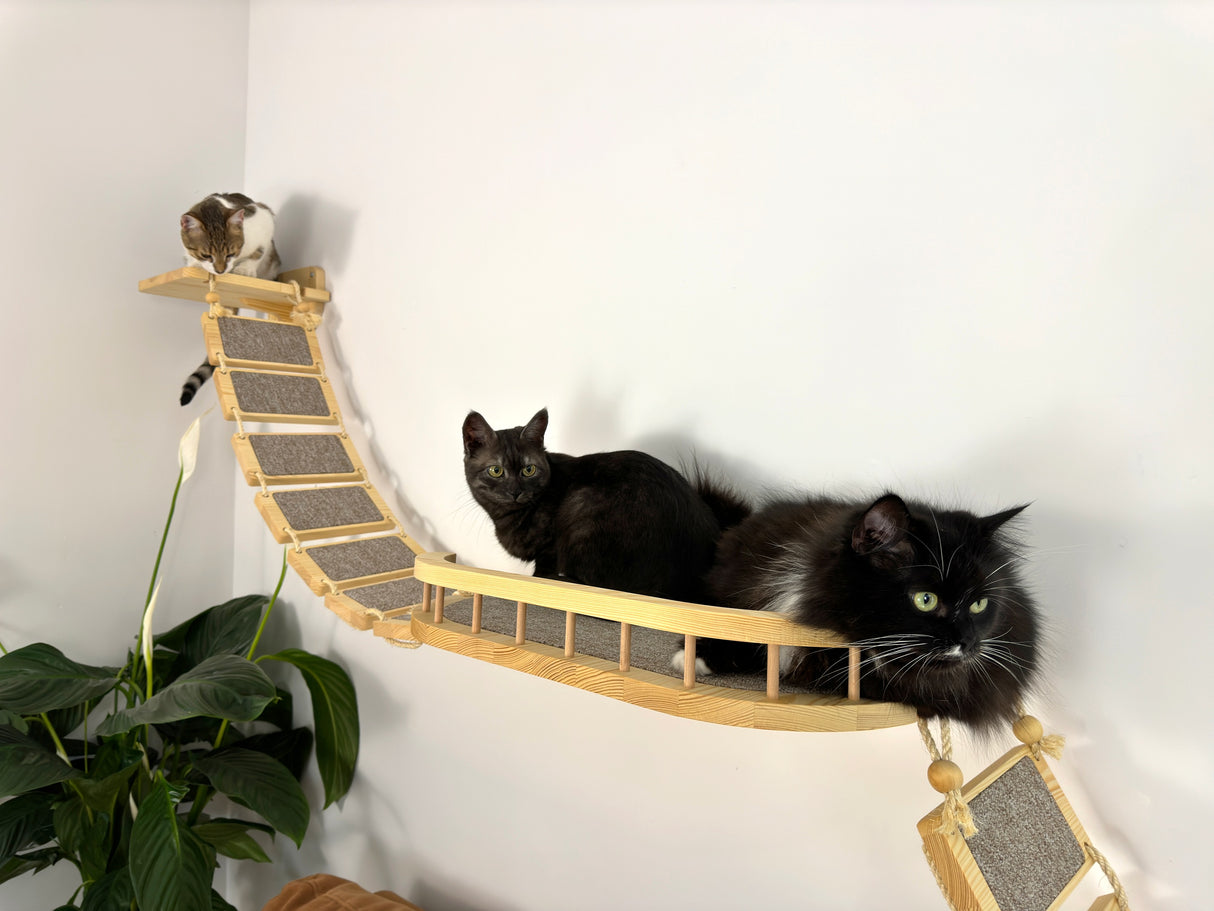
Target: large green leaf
(39, 677)
(291, 748)
(169, 866)
(28, 863)
(84, 835)
(218, 903)
(334, 718)
(223, 686)
(26, 765)
(225, 629)
(100, 795)
(231, 839)
(113, 892)
(25, 822)
(260, 783)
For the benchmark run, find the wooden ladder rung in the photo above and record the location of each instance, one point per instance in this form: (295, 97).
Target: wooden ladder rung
(353, 564)
(248, 342)
(297, 458)
(323, 512)
(275, 397)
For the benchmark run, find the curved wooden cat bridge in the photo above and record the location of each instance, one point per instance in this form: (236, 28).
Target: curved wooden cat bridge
(349, 548)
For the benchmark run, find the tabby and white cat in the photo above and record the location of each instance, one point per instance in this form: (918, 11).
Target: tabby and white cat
(227, 234)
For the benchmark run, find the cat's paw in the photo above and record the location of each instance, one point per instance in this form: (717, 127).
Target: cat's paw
(679, 660)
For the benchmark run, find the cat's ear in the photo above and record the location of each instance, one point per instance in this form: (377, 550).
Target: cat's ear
(236, 219)
(882, 528)
(534, 431)
(991, 524)
(477, 433)
(190, 223)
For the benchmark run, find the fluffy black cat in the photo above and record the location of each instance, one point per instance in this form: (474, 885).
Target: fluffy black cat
(622, 520)
(931, 596)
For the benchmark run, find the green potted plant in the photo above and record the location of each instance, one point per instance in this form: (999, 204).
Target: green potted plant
(113, 768)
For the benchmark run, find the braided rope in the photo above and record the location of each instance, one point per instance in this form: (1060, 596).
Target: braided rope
(1118, 890)
(955, 815)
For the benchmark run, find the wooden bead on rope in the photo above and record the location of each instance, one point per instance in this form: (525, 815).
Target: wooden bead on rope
(1027, 730)
(945, 775)
(211, 297)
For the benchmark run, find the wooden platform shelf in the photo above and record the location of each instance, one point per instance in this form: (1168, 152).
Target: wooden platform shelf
(277, 298)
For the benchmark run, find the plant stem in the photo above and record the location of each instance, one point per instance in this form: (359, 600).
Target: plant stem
(204, 793)
(155, 572)
(50, 729)
(282, 575)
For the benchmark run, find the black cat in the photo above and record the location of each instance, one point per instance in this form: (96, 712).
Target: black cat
(621, 520)
(931, 596)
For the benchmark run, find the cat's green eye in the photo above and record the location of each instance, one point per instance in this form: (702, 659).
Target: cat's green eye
(978, 606)
(495, 471)
(528, 471)
(925, 601)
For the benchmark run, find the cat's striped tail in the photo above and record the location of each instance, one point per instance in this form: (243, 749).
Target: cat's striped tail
(194, 382)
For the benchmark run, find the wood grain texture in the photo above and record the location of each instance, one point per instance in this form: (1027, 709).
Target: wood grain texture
(962, 879)
(250, 465)
(718, 705)
(230, 405)
(235, 291)
(304, 563)
(215, 347)
(640, 610)
(278, 523)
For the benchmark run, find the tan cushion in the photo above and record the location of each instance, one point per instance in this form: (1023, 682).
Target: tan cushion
(324, 892)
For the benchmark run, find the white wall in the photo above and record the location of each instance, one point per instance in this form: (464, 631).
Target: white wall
(114, 122)
(960, 251)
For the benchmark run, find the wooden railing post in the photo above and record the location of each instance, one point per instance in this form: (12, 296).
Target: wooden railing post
(570, 632)
(625, 646)
(439, 603)
(520, 624)
(689, 661)
(773, 671)
(853, 673)
(478, 601)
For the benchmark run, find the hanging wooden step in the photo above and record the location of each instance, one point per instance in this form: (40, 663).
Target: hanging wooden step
(362, 607)
(240, 341)
(275, 397)
(353, 564)
(323, 512)
(297, 458)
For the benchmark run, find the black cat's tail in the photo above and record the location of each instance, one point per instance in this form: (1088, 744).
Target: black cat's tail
(727, 505)
(194, 382)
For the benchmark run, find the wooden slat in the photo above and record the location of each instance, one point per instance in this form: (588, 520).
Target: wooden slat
(283, 397)
(640, 610)
(276, 508)
(961, 877)
(235, 291)
(219, 333)
(362, 606)
(336, 453)
(370, 560)
(741, 708)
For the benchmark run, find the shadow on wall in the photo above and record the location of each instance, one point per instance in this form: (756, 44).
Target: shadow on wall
(309, 230)
(414, 524)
